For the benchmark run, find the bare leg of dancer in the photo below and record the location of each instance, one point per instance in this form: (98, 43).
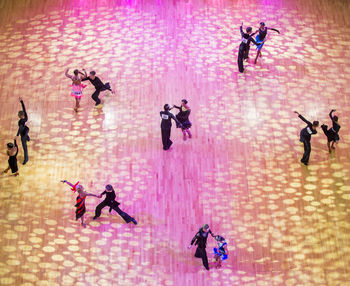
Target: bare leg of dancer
(184, 133)
(82, 221)
(189, 133)
(257, 55)
(77, 104)
(6, 170)
(333, 143)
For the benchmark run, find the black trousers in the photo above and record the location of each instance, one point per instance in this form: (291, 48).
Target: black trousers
(307, 150)
(246, 53)
(166, 138)
(95, 95)
(24, 140)
(241, 55)
(114, 206)
(202, 253)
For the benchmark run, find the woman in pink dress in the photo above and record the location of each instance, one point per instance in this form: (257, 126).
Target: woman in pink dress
(77, 86)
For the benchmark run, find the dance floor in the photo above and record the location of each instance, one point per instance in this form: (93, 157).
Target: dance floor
(285, 223)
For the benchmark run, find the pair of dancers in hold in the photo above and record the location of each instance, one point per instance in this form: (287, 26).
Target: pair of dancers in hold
(12, 148)
(247, 38)
(77, 86)
(200, 239)
(181, 119)
(108, 201)
(332, 134)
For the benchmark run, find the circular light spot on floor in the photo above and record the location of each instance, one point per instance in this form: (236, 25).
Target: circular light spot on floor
(48, 249)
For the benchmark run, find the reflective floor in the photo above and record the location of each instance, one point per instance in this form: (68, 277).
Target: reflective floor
(285, 223)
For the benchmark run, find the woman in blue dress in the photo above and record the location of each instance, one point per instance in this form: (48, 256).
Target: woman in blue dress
(220, 253)
(261, 38)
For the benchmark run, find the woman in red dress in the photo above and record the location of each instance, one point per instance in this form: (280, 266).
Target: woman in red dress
(80, 204)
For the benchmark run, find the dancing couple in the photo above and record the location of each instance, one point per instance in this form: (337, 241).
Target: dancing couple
(200, 239)
(12, 148)
(311, 129)
(181, 119)
(247, 38)
(77, 86)
(108, 201)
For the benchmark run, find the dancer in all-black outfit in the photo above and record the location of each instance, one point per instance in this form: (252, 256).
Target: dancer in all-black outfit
(80, 202)
(305, 137)
(165, 126)
(99, 86)
(200, 239)
(332, 133)
(23, 130)
(261, 38)
(182, 116)
(244, 47)
(113, 204)
(12, 151)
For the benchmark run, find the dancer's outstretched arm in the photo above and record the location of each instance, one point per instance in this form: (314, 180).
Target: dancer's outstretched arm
(67, 75)
(254, 33)
(85, 74)
(24, 109)
(272, 29)
(331, 114)
(100, 195)
(241, 29)
(68, 183)
(91, 195)
(303, 118)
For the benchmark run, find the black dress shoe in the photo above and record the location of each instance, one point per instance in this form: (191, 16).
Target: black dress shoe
(134, 221)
